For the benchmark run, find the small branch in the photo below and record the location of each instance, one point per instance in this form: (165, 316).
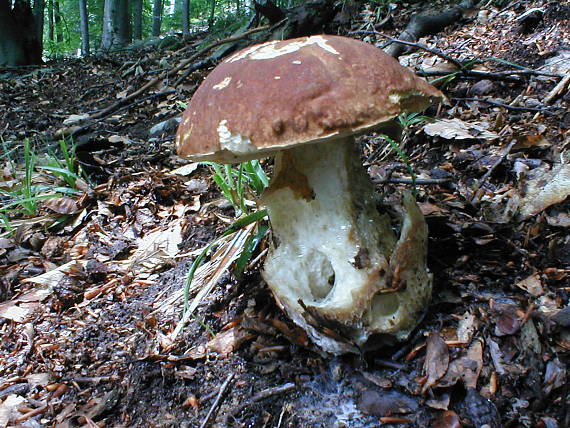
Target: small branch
(507, 106)
(266, 393)
(218, 400)
(405, 180)
(558, 89)
(486, 176)
(436, 52)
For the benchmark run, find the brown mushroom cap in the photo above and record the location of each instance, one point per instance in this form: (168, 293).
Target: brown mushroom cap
(279, 94)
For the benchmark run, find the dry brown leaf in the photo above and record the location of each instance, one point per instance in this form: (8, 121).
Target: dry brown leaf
(449, 419)
(531, 141)
(437, 360)
(229, 341)
(543, 189)
(532, 285)
(62, 205)
(456, 129)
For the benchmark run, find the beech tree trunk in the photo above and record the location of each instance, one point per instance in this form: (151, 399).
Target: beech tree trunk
(186, 17)
(156, 17)
(19, 44)
(84, 28)
(39, 9)
(50, 21)
(57, 21)
(212, 13)
(116, 24)
(137, 19)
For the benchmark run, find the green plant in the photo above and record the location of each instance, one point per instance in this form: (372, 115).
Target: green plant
(405, 160)
(237, 225)
(236, 183)
(29, 187)
(408, 119)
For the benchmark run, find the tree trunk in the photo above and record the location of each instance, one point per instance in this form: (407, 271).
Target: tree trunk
(57, 20)
(84, 27)
(51, 24)
(137, 19)
(123, 23)
(116, 24)
(212, 13)
(186, 17)
(19, 44)
(39, 8)
(156, 17)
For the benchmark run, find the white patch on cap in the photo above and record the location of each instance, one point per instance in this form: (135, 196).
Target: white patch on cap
(234, 142)
(268, 50)
(297, 62)
(277, 77)
(223, 83)
(394, 98)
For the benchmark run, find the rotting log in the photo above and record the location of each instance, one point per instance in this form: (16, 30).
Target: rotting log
(423, 25)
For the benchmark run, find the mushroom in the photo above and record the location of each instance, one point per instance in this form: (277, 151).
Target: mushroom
(336, 266)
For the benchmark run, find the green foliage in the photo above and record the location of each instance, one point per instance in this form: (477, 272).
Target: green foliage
(237, 225)
(236, 183)
(227, 16)
(408, 119)
(36, 179)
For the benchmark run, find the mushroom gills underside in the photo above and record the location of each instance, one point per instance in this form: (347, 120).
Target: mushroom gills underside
(336, 264)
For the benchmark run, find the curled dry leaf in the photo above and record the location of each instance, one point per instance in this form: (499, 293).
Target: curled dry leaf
(555, 375)
(437, 360)
(448, 419)
(384, 403)
(543, 189)
(62, 205)
(456, 129)
(532, 285)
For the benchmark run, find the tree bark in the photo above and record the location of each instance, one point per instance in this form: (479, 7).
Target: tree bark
(85, 51)
(39, 9)
(156, 17)
(19, 44)
(186, 18)
(116, 24)
(51, 24)
(212, 13)
(422, 25)
(137, 19)
(57, 21)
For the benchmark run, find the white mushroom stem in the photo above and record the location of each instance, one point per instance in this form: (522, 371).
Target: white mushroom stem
(337, 267)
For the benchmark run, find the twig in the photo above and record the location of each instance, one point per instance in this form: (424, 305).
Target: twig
(558, 89)
(436, 52)
(406, 180)
(217, 401)
(504, 154)
(507, 106)
(266, 393)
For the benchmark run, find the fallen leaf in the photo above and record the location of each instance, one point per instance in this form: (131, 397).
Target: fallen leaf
(555, 375)
(229, 341)
(437, 360)
(456, 129)
(385, 403)
(448, 419)
(532, 285)
(542, 189)
(61, 205)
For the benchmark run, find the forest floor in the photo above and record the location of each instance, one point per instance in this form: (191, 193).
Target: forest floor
(89, 305)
